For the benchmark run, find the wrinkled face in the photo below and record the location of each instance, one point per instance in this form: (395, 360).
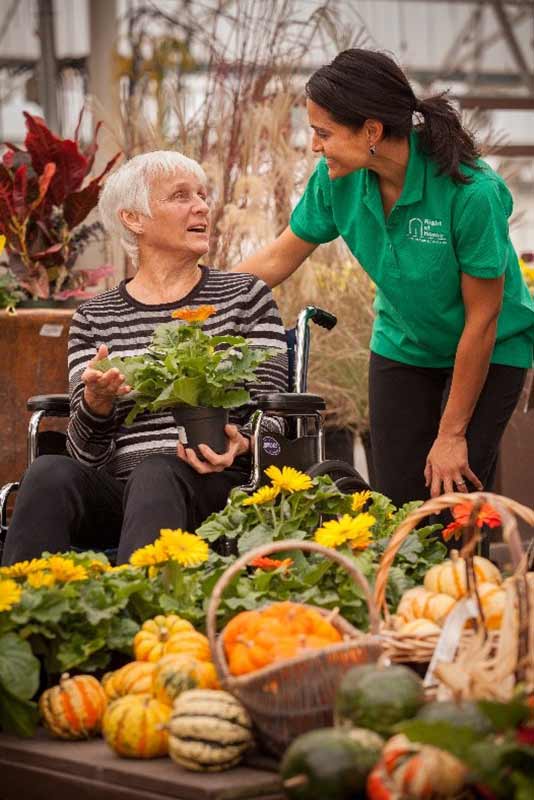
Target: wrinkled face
(180, 220)
(345, 150)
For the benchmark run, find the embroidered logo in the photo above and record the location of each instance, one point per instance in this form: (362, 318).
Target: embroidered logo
(426, 230)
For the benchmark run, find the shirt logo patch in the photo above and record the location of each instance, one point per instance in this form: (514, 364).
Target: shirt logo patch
(426, 230)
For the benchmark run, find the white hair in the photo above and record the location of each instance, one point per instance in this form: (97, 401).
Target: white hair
(128, 189)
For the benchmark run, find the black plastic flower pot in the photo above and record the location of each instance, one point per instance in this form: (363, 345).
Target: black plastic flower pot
(202, 425)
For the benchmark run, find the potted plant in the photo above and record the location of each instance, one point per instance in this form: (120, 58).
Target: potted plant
(45, 198)
(198, 376)
(43, 204)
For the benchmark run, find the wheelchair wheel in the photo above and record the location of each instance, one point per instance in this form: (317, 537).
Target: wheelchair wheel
(346, 478)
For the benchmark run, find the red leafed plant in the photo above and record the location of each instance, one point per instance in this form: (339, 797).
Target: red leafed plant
(42, 205)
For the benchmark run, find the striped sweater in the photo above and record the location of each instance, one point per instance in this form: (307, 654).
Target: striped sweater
(245, 306)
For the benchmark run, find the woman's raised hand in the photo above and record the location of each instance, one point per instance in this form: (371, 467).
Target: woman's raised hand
(102, 388)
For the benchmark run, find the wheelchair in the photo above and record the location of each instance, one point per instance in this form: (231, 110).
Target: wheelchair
(302, 446)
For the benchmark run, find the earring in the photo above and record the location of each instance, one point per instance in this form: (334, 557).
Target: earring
(372, 149)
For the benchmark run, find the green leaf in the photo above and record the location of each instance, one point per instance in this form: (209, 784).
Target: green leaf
(19, 717)
(259, 535)
(453, 738)
(19, 669)
(121, 633)
(505, 715)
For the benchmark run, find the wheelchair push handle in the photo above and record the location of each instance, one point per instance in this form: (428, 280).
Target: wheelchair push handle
(323, 318)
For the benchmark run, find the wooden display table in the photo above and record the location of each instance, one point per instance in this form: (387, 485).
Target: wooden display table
(43, 768)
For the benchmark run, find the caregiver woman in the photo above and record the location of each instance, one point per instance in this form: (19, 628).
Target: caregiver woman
(428, 221)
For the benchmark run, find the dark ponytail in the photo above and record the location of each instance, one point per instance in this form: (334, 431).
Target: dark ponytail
(364, 84)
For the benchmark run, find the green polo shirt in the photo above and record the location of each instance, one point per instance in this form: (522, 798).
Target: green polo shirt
(436, 230)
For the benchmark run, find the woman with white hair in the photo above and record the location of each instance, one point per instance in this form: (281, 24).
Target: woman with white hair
(121, 485)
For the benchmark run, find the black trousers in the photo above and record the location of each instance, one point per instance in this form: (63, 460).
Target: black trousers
(62, 503)
(406, 404)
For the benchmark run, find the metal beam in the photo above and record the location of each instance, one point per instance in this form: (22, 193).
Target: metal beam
(513, 44)
(495, 101)
(47, 74)
(513, 150)
(511, 3)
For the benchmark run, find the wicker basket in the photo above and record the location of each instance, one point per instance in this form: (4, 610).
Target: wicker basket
(296, 695)
(412, 649)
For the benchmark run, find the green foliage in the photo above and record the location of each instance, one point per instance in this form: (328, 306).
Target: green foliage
(9, 294)
(186, 366)
(19, 680)
(500, 762)
(311, 578)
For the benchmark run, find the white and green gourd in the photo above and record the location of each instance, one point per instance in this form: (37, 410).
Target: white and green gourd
(209, 731)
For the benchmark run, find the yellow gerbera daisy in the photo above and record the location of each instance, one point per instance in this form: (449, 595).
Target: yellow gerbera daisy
(264, 495)
(97, 566)
(120, 568)
(347, 529)
(38, 580)
(149, 555)
(65, 570)
(23, 568)
(10, 593)
(288, 479)
(186, 548)
(359, 499)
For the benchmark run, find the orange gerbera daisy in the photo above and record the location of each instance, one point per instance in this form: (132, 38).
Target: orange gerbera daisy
(462, 513)
(199, 314)
(262, 562)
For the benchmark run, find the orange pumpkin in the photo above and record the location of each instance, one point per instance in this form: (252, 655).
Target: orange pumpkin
(255, 639)
(133, 678)
(74, 708)
(149, 642)
(135, 726)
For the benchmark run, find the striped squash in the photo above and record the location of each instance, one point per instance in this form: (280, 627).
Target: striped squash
(209, 731)
(74, 708)
(133, 678)
(149, 642)
(175, 674)
(135, 726)
(188, 643)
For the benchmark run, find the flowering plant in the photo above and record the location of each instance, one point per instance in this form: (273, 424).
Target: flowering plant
(42, 207)
(184, 365)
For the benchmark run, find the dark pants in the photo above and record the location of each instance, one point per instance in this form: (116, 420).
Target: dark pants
(406, 404)
(62, 504)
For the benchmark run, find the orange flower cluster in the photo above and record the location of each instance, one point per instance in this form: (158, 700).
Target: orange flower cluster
(262, 562)
(199, 314)
(462, 513)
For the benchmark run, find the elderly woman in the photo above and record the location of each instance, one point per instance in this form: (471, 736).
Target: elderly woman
(121, 485)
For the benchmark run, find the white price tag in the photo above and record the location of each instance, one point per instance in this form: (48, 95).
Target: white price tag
(48, 329)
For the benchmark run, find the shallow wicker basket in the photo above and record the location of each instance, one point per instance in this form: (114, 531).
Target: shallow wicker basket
(419, 649)
(296, 695)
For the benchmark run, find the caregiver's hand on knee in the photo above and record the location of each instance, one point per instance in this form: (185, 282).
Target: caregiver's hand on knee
(447, 466)
(102, 388)
(237, 445)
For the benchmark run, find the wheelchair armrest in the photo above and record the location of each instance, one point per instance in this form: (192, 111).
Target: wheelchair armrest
(290, 403)
(54, 405)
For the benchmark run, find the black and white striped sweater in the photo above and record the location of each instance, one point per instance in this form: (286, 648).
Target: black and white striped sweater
(245, 306)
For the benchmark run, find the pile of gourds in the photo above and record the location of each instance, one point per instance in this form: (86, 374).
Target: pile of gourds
(423, 609)
(167, 701)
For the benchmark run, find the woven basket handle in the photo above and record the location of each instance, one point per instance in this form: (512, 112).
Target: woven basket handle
(508, 509)
(276, 547)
